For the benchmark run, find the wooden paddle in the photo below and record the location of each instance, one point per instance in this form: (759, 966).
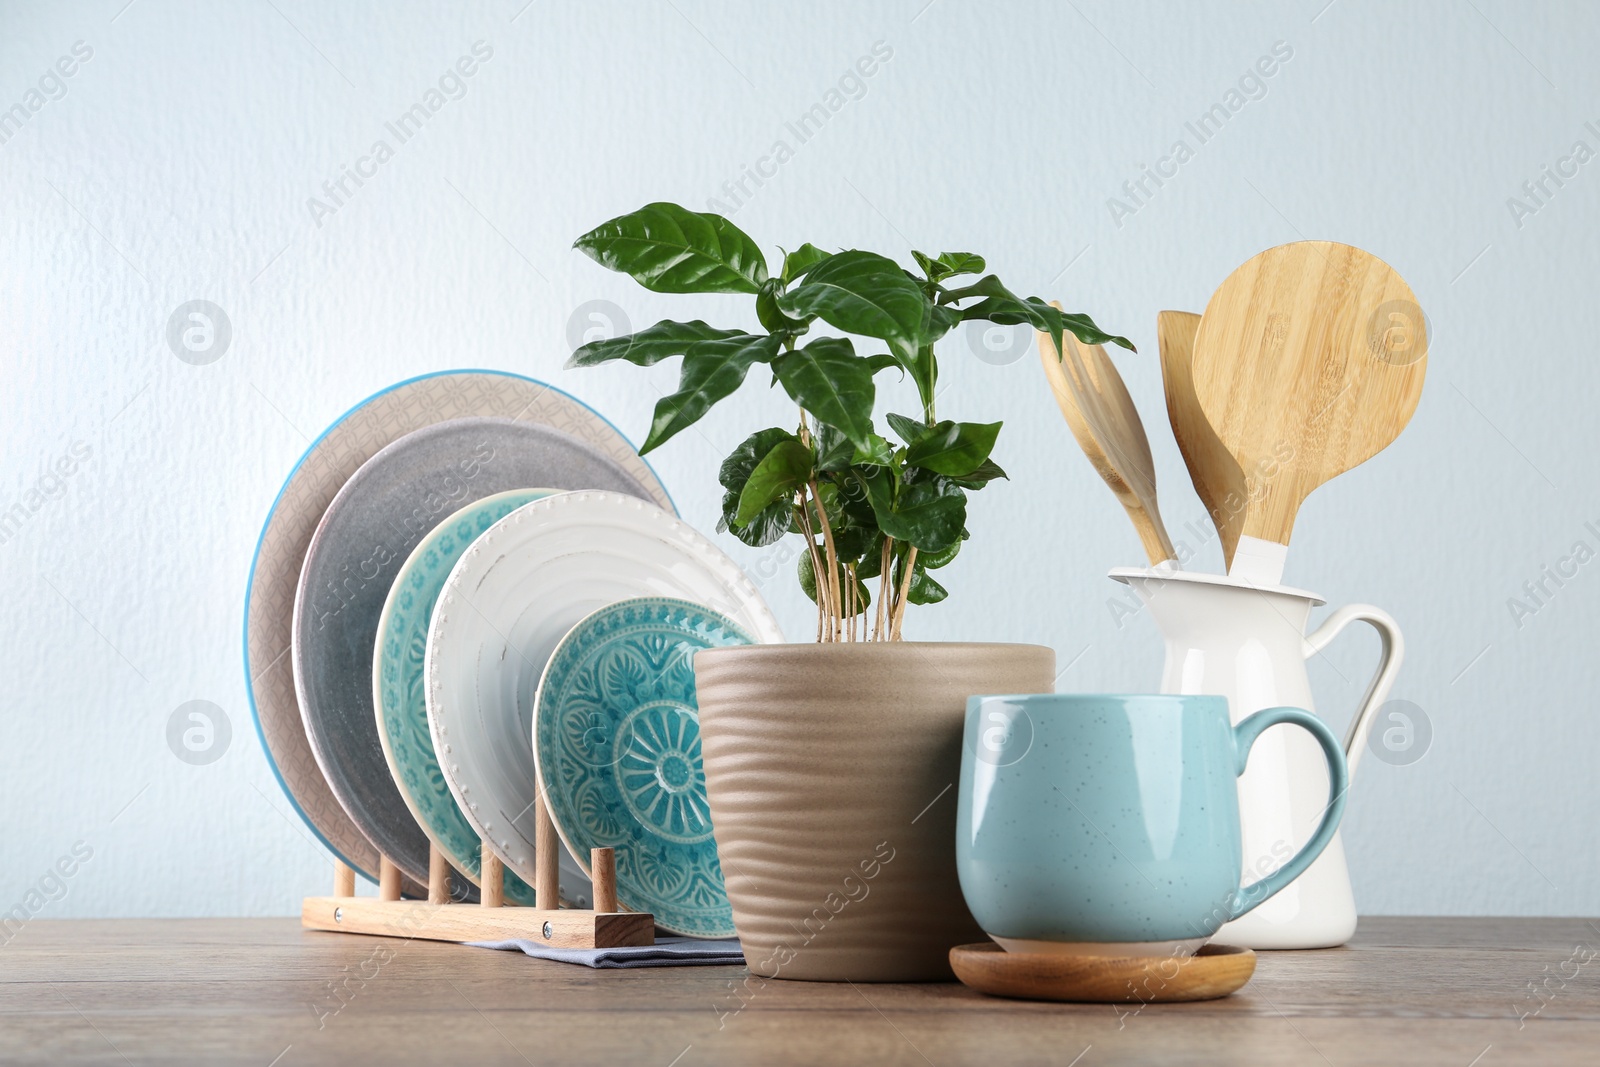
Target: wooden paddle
(1309, 360)
(1215, 473)
(1102, 417)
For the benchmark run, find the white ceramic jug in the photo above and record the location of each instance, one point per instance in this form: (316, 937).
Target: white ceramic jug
(1248, 643)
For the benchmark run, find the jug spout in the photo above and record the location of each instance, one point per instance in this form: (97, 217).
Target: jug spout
(1213, 613)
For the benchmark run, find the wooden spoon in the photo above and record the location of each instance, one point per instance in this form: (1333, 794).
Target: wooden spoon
(1216, 474)
(1309, 360)
(1102, 417)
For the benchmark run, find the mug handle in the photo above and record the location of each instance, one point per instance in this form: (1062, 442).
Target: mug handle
(1244, 737)
(1394, 650)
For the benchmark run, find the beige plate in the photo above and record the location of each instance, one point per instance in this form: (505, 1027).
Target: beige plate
(1214, 971)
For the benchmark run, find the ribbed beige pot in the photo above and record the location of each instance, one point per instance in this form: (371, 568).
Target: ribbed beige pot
(831, 773)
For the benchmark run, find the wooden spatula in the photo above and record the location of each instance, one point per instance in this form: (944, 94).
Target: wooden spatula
(1309, 360)
(1216, 474)
(1102, 417)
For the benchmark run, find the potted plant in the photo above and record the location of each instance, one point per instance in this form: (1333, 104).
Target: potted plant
(829, 765)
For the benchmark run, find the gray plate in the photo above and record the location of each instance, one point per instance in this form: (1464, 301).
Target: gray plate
(368, 531)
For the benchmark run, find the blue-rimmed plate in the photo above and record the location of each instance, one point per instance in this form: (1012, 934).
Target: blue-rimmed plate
(617, 743)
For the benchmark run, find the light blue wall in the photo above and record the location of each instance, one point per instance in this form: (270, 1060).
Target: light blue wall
(179, 161)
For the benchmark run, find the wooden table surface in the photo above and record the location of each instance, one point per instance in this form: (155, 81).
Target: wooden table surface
(262, 992)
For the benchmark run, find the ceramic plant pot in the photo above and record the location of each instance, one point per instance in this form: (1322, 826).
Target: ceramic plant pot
(830, 771)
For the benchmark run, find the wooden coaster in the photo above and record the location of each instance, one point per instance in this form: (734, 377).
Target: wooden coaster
(1214, 971)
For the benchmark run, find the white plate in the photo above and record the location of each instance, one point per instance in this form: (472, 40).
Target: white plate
(510, 600)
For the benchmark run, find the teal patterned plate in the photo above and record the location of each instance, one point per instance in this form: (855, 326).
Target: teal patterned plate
(617, 742)
(398, 693)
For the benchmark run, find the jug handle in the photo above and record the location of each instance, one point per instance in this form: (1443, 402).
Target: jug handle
(1389, 659)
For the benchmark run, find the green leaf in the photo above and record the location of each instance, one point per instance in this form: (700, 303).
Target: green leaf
(649, 346)
(941, 320)
(923, 589)
(782, 471)
(773, 521)
(910, 430)
(867, 294)
(989, 285)
(954, 448)
(986, 472)
(930, 516)
(830, 381)
(808, 582)
(878, 451)
(846, 496)
(670, 249)
(850, 543)
(801, 260)
(934, 560)
(1084, 329)
(771, 315)
(1000, 305)
(961, 263)
(834, 450)
(948, 264)
(711, 370)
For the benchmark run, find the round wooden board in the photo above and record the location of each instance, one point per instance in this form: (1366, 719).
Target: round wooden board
(1214, 971)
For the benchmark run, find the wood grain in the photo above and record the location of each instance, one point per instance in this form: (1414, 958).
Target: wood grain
(1309, 360)
(344, 880)
(1103, 419)
(568, 928)
(1214, 971)
(547, 849)
(388, 879)
(603, 877)
(438, 876)
(254, 992)
(492, 878)
(1217, 477)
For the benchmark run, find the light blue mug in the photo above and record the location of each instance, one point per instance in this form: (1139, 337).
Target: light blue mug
(1109, 824)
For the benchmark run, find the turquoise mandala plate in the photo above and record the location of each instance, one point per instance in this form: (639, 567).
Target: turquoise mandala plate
(397, 688)
(617, 741)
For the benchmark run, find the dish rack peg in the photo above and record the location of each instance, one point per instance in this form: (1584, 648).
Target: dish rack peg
(344, 879)
(438, 919)
(388, 879)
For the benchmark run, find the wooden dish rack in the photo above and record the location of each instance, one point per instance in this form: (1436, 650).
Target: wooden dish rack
(492, 919)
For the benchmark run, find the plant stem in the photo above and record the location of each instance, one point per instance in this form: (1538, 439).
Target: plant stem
(833, 558)
(850, 602)
(816, 565)
(905, 589)
(885, 587)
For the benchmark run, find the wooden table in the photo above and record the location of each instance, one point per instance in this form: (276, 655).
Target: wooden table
(264, 992)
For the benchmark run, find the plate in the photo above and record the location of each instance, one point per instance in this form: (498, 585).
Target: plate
(616, 738)
(275, 569)
(400, 709)
(510, 600)
(369, 529)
